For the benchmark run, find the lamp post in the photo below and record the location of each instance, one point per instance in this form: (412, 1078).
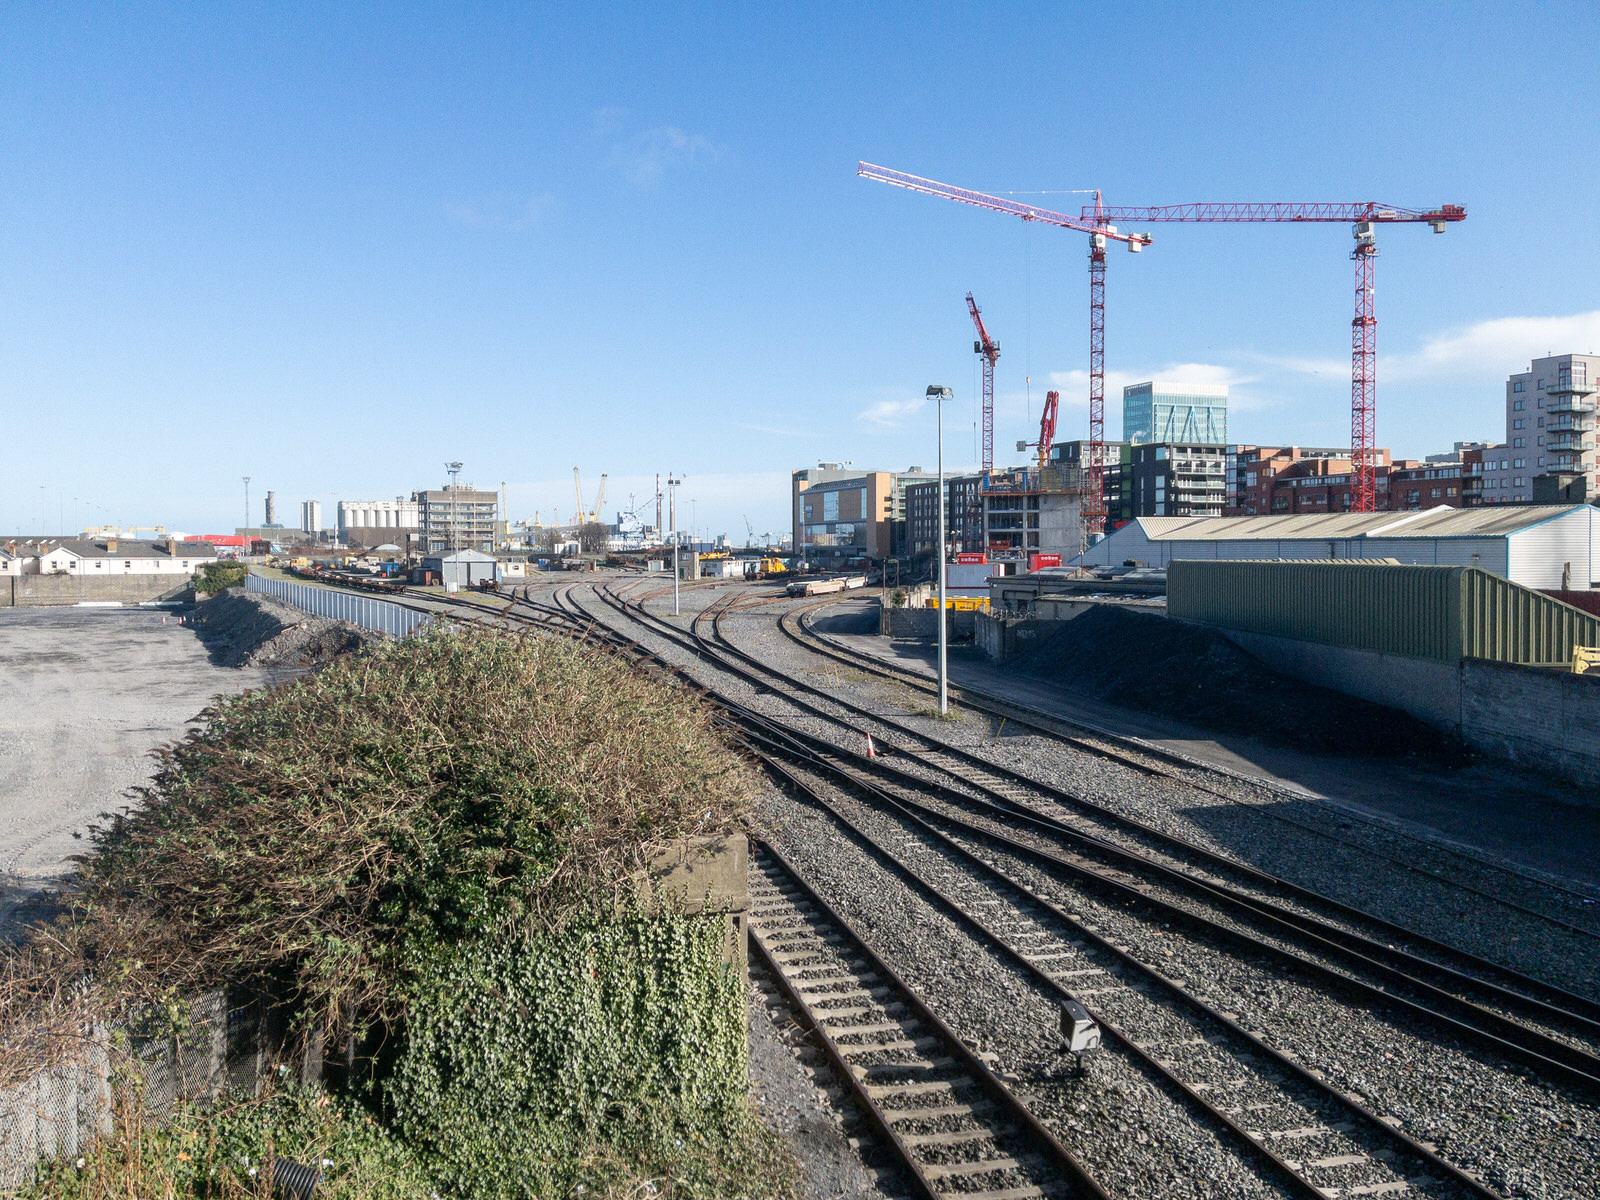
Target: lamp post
(939, 395)
(672, 518)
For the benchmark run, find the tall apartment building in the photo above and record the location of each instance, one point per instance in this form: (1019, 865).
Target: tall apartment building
(457, 518)
(1253, 472)
(1550, 429)
(1175, 480)
(1190, 414)
(311, 516)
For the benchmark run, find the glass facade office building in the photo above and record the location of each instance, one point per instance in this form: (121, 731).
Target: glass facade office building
(1175, 413)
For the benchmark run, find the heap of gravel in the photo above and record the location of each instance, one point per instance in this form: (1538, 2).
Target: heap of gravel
(1195, 674)
(248, 629)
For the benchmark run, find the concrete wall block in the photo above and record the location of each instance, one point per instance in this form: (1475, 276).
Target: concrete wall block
(23, 591)
(1431, 691)
(1543, 718)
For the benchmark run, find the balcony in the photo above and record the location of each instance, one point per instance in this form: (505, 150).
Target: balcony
(1571, 401)
(1571, 440)
(1579, 422)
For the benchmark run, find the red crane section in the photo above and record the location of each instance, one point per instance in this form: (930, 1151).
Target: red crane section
(1362, 215)
(990, 349)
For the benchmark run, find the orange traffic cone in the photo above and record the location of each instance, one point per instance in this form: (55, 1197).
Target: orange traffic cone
(871, 753)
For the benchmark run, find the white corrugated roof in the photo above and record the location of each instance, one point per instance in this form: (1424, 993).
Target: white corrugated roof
(1488, 521)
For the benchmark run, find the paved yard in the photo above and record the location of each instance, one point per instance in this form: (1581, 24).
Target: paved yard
(85, 695)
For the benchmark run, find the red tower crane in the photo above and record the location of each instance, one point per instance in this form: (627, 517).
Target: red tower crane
(1363, 218)
(1100, 232)
(990, 349)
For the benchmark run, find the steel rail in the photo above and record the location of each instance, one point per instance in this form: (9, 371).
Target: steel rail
(1502, 1036)
(1129, 751)
(1249, 1140)
(1023, 1125)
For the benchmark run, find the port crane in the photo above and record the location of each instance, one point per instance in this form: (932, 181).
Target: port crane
(1100, 234)
(584, 516)
(1363, 218)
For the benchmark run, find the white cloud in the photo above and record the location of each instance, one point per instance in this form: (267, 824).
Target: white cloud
(1495, 349)
(890, 414)
(1487, 351)
(646, 156)
(502, 210)
(1074, 385)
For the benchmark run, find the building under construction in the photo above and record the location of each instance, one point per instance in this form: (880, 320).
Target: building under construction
(1008, 515)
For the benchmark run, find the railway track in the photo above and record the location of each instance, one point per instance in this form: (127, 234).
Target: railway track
(1135, 753)
(1426, 978)
(1027, 865)
(952, 1124)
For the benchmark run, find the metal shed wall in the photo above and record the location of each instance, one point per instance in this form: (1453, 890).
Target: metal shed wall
(1442, 613)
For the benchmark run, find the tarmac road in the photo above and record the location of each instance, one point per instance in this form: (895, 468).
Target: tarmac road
(85, 695)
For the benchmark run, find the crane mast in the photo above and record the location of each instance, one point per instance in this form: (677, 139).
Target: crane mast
(990, 350)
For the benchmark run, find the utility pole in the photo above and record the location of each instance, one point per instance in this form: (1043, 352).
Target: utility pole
(247, 502)
(672, 515)
(939, 395)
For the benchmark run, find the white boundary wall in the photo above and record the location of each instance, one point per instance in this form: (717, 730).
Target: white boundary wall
(366, 611)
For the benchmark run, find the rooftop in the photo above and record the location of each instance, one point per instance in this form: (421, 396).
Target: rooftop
(1490, 521)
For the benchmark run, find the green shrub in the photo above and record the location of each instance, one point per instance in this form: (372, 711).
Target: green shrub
(222, 1150)
(609, 1052)
(215, 576)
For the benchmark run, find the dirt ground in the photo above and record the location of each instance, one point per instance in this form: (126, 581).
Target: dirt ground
(85, 695)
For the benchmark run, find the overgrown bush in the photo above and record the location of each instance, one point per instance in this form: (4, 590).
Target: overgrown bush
(430, 846)
(215, 576)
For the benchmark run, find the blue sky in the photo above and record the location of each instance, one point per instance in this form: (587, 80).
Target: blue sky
(331, 247)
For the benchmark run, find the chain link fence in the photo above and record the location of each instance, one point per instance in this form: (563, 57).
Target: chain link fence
(71, 1099)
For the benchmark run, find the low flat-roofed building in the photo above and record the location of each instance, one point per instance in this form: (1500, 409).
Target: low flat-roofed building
(1539, 546)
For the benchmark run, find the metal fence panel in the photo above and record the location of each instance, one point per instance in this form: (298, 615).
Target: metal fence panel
(368, 612)
(1444, 613)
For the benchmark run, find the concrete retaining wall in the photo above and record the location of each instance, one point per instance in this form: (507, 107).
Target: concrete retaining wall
(1536, 716)
(21, 591)
(924, 623)
(1003, 638)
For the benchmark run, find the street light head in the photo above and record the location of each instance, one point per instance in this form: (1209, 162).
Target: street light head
(936, 392)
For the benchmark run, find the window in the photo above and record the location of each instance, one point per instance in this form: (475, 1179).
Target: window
(1519, 405)
(1541, 439)
(1517, 482)
(1541, 385)
(1519, 463)
(1541, 422)
(1519, 443)
(1517, 386)
(1518, 423)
